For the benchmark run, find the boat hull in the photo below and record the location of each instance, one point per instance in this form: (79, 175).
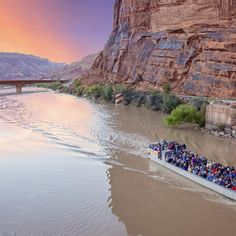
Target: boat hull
(152, 155)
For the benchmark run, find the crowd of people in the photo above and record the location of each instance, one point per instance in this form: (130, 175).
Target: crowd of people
(183, 158)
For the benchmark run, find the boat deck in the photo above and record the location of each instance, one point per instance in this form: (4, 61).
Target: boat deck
(195, 178)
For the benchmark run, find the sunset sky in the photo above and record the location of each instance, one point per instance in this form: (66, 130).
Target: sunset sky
(60, 30)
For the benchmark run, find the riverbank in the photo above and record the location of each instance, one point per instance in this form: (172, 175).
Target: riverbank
(152, 100)
(230, 134)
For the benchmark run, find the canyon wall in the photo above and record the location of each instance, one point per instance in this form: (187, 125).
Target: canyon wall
(190, 44)
(74, 70)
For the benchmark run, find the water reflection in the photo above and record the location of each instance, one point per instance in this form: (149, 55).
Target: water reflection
(52, 177)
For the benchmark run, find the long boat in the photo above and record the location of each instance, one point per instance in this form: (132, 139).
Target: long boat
(161, 159)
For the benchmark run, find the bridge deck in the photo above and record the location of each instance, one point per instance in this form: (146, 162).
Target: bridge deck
(20, 83)
(24, 82)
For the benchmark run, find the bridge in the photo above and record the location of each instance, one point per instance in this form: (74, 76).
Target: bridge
(20, 83)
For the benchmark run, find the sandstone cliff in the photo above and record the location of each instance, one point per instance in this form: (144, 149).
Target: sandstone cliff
(74, 70)
(190, 44)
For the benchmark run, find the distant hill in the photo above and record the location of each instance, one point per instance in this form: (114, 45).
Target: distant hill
(15, 66)
(75, 70)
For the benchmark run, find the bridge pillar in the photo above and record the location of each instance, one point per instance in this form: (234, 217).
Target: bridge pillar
(18, 88)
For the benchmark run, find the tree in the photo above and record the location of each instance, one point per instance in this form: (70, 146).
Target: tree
(184, 114)
(170, 102)
(107, 92)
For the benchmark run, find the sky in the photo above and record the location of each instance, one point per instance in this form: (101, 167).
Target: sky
(60, 30)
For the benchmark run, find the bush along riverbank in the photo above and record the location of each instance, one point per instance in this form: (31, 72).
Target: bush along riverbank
(152, 100)
(54, 86)
(180, 110)
(186, 113)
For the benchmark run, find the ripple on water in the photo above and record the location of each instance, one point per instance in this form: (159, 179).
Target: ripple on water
(109, 183)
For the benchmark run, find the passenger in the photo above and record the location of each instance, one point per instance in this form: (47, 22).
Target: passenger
(211, 177)
(198, 165)
(190, 169)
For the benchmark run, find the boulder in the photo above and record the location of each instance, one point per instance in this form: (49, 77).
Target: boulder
(149, 100)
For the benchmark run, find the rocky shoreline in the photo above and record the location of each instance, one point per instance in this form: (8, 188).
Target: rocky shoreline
(229, 133)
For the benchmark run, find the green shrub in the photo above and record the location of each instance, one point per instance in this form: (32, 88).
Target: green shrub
(65, 89)
(93, 90)
(86, 90)
(198, 102)
(54, 85)
(77, 88)
(120, 88)
(154, 93)
(184, 114)
(79, 91)
(167, 88)
(76, 83)
(107, 92)
(41, 85)
(170, 102)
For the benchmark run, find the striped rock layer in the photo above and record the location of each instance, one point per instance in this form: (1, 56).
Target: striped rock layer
(190, 44)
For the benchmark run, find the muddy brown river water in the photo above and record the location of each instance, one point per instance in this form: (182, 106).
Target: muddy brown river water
(71, 166)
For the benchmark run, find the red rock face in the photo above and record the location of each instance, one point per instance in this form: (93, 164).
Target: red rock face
(190, 44)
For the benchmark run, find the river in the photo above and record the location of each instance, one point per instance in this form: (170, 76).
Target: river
(70, 166)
